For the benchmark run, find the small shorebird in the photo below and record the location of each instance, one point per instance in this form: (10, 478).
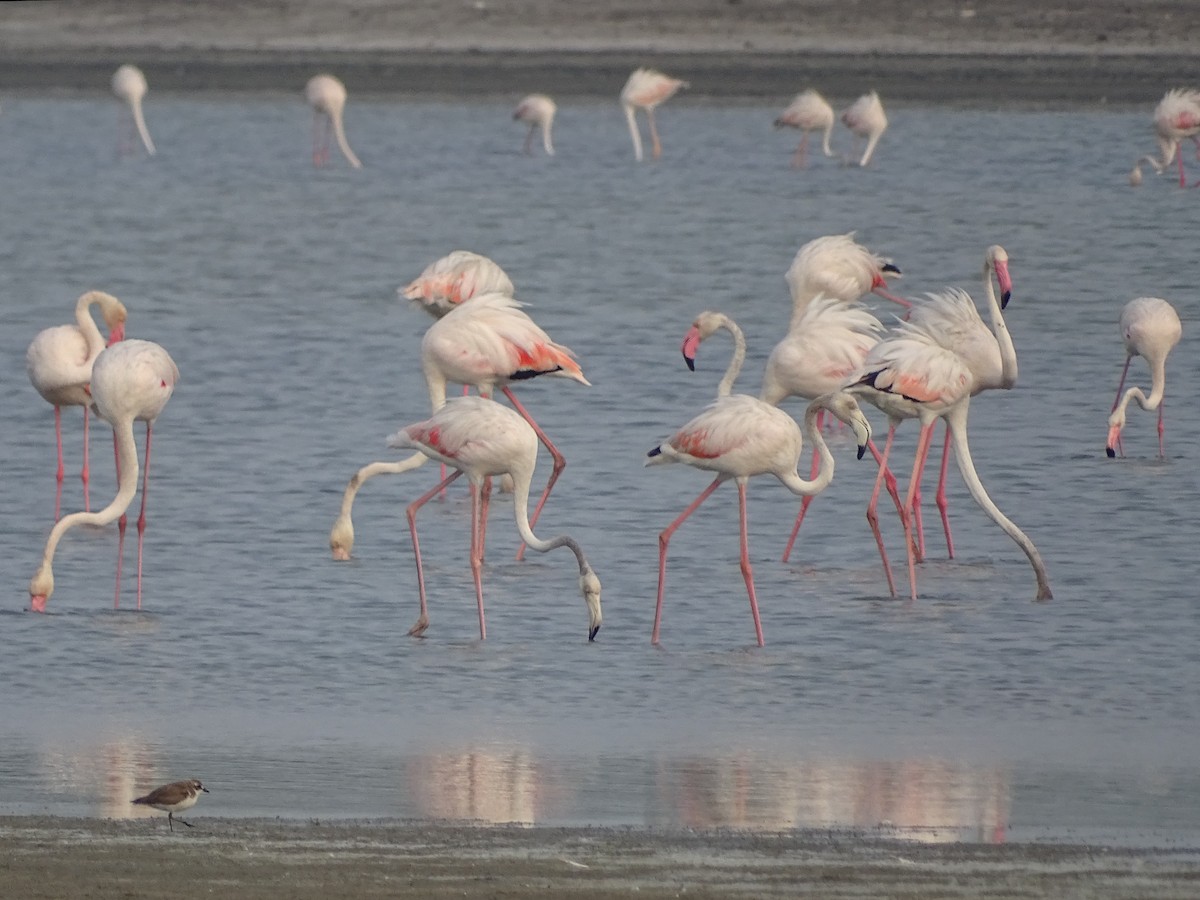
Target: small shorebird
(174, 797)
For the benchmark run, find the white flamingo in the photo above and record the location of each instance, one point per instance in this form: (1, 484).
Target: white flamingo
(129, 84)
(457, 276)
(1150, 327)
(646, 89)
(59, 362)
(132, 380)
(836, 265)
(808, 111)
(537, 111)
(1176, 118)
(327, 96)
(866, 119)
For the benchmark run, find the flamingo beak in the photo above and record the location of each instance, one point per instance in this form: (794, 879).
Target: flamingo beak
(1005, 280)
(1114, 435)
(37, 603)
(691, 342)
(592, 633)
(116, 335)
(879, 287)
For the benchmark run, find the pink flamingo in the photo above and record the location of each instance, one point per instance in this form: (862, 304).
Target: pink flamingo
(456, 277)
(646, 89)
(739, 436)
(486, 344)
(988, 352)
(808, 111)
(1149, 327)
(59, 362)
(537, 111)
(865, 118)
(911, 376)
(838, 266)
(1176, 117)
(129, 84)
(327, 96)
(482, 439)
(132, 380)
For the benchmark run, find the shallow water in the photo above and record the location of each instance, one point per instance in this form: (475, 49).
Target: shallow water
(287, 682)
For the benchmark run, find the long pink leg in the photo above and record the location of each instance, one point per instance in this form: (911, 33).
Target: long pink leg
(121, 523)
(747, 572)
(86, 472)
(872, 506)
(141, 522)
(918, 467)
(60, 473)
(800, 157)
(411, 514)
(942, 503)
(485, 500)
(560, 461)
(918, 521)
(664, 539)
(477, 554)
(1182, 176)
(1161, 429)
(653, 133)
(804, 504)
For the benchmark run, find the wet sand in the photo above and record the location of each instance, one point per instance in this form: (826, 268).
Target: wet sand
(43, 857)
(1003, 51)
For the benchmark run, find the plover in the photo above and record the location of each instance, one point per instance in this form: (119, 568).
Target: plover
(174, 797)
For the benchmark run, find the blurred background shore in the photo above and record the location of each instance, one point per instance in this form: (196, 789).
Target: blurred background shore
(1003, 51)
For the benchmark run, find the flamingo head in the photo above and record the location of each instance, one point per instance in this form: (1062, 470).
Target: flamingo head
(40, 588)
(997, 261)
(341, 538)
(1115, 423)
(691, 343)
(704, 327)
(845, 407)
(589, 586)
(880, 287)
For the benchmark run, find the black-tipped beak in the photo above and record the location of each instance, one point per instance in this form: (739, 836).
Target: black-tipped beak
(892, 269)
(1004, 298)
(862, 448)
(592, 633)
(204, 789)
(1112, 454)
(691, 362)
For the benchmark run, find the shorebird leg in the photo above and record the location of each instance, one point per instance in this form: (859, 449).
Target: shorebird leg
(411, 514)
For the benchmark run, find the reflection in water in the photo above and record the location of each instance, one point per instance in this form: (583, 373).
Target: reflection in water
(485, 785)
(106, 776)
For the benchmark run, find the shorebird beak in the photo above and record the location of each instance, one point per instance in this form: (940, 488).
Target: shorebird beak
(204, 789)
(592, 634)
(691, 343)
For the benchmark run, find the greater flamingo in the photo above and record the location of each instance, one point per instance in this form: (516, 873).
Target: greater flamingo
(59, 362)
(537, 111)
(866, 119)
(808, 111)
(1150, 327)
(327, 96)
(989, 353)
(457, 276)
(487, 344)
(482, 438)
(1176, 117)
(129, 84)
(132, 380)
(838, 266)
(647, 88)
(911, 376)
(739, 436)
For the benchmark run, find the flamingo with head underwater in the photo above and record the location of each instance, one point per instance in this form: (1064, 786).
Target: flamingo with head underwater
(646, 89)
(537, 111)
(808, 112)
(129, 85)
(1176, 118)
(866, 119)
(59, 362)
(1150, 328)
(483, 439)
(739, 436)
(327, 96)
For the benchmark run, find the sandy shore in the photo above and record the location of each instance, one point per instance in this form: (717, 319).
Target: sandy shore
(43, 857)
(1003, 51)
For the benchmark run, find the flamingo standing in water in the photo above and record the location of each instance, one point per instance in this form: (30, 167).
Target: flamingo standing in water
(838, 266)
(456, 277)
(327, 96)
(866, 119)
(911, 376)
(482, 439)
(486, 344)
(132, 380)
(129, 84)
(739, 436)
(809, 111)
(537, 111)
(647, 88)
(1149, 327)
(1176, 117)
(59, 362)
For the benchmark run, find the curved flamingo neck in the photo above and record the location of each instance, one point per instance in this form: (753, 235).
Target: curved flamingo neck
(339, 135)
(725, 387)
(522, 476)
(1158, 387)
(139, 121)
(825, 139)
(633, 132)
(792, 480)
(91, 332)
(1008, 351)
(956, 421)
(369, 471)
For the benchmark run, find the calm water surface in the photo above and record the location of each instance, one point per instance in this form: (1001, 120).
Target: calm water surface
(287, 682)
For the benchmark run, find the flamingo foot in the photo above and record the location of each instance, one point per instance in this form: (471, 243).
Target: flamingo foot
(37, 603)
(419, 628)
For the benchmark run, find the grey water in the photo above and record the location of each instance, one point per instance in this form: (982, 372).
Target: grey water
(287, 682)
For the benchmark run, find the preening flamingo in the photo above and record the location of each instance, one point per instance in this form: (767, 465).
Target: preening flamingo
(989, 354)
(59, 362)
(739, 436)
(1176, 118)
(537, 111)
(482, 438)
(327, 96)
(132, 380)
(808, 111)
(487, 344)
(866, 119)
(457, 276)
(646, 89)
(1150, 327)
(838, 266)
(129, 84)
(910, 375)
